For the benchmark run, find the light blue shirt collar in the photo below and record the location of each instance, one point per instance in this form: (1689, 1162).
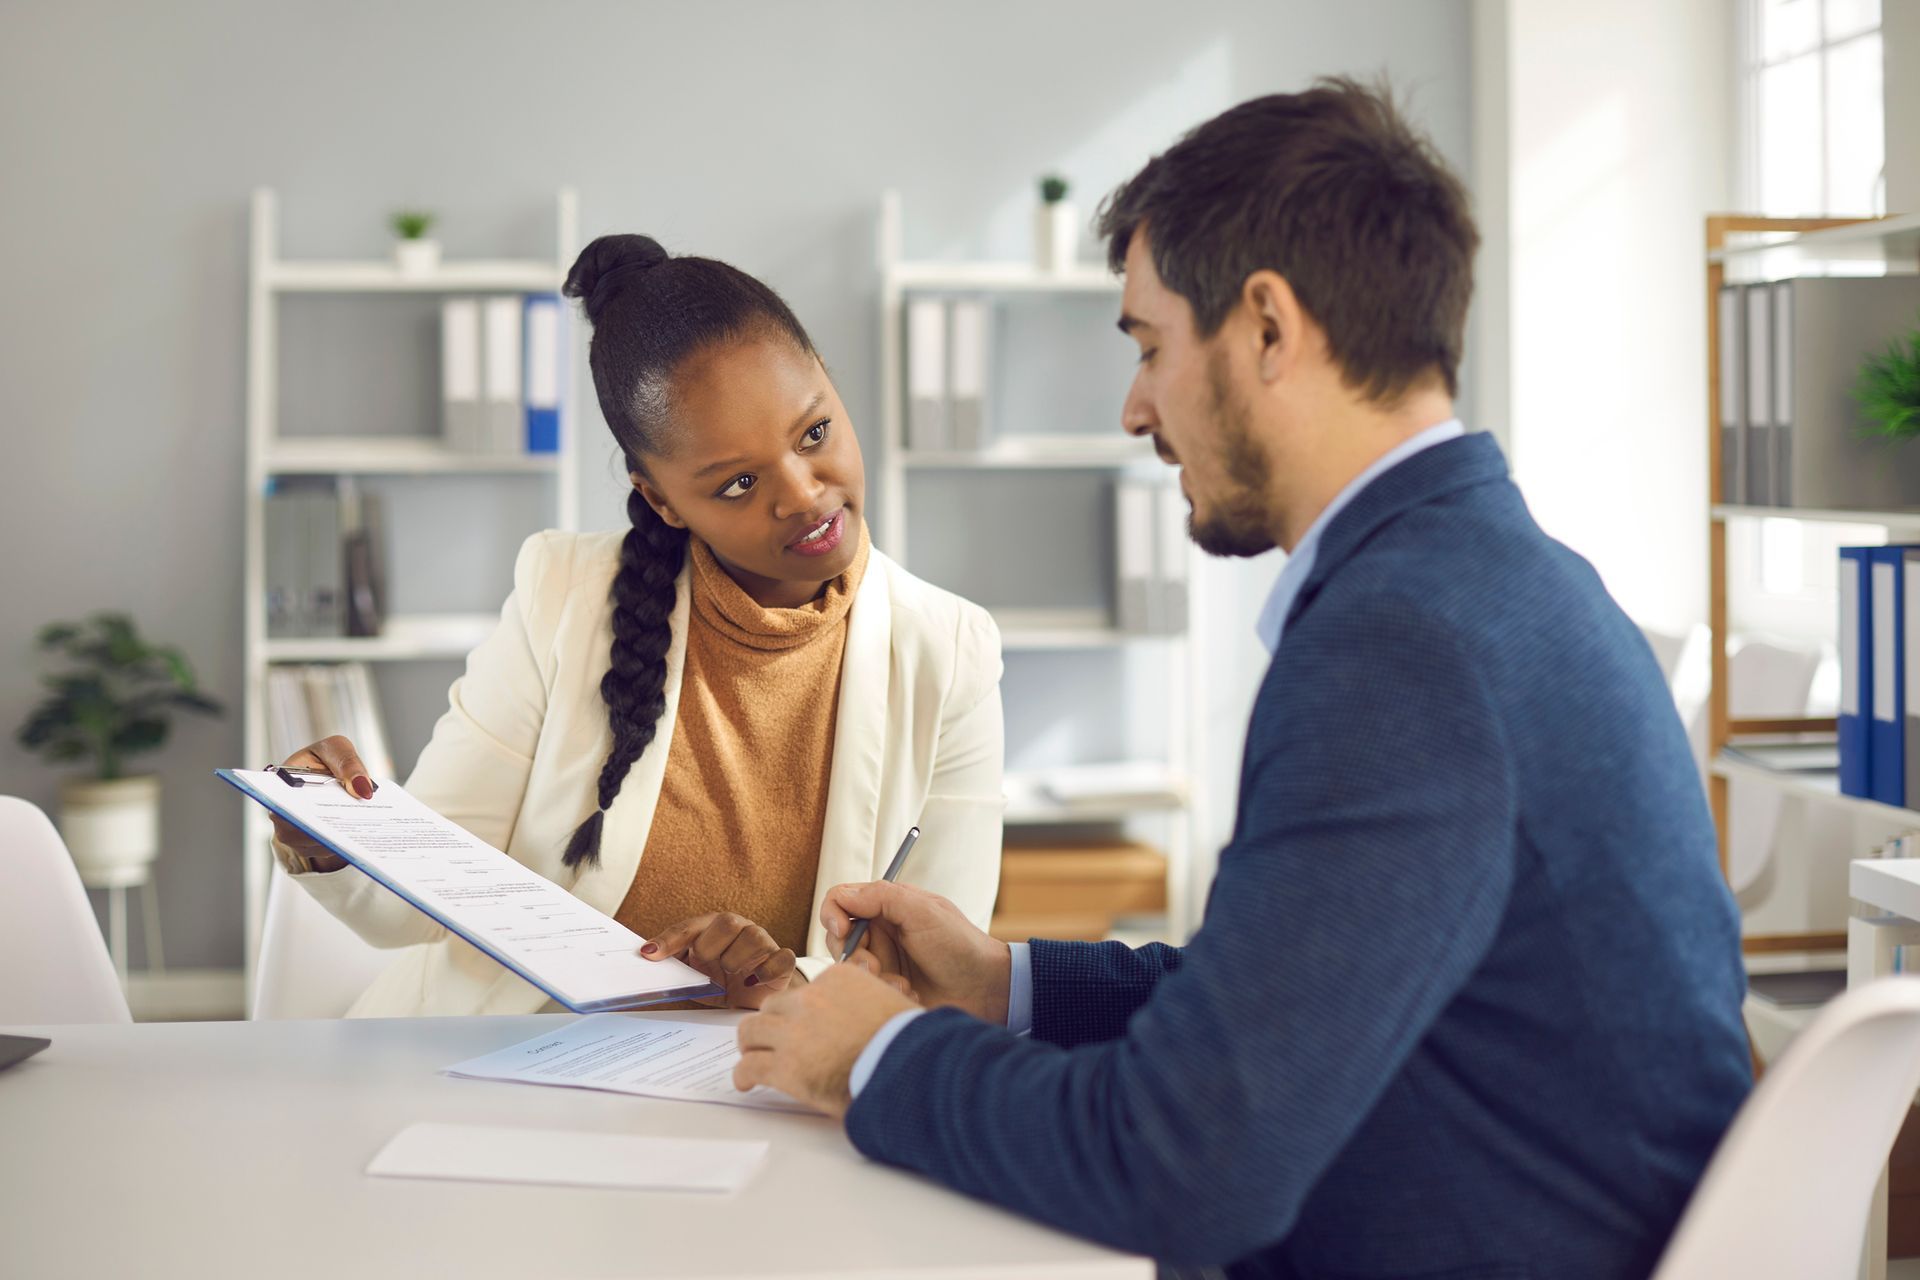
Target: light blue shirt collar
(1293, 574)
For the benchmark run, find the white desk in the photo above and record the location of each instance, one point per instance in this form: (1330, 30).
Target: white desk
(238, 1149)
(1888, 887)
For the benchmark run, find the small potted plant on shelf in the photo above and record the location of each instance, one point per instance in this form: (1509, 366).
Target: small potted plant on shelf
(413, 253)
(1056, 229)
(116, 699)
(1888, 390)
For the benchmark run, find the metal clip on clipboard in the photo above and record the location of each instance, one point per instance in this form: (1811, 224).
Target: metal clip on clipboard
(288, 775)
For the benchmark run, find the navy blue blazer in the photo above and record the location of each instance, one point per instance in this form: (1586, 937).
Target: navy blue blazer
(1466, 999)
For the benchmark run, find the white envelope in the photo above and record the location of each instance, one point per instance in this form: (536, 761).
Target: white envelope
(485, 1153)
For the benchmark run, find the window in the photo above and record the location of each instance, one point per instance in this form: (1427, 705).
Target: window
(1812, 119)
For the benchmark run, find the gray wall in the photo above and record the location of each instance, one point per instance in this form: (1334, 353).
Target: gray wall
(1900, 72)
(130, 135)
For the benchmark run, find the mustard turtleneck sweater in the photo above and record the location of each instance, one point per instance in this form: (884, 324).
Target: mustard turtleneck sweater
(744, 799)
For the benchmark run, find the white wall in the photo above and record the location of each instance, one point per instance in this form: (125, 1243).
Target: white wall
(1487, 381)
(763, 133)
(1619, 133)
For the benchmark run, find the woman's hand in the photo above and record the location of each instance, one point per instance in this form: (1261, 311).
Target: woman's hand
(733, 952)
(337, 756)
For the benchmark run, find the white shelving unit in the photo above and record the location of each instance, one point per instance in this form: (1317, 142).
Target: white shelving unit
(1034, 452)
(1890, 520)
(403, 638)
(268, 455)
(380, 455)
(1028, 631)
(1025, 629)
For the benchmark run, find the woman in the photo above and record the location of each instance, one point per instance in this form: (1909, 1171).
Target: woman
(703, 723)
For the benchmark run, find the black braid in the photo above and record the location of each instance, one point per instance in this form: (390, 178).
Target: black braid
(634, 687)
(650, 311)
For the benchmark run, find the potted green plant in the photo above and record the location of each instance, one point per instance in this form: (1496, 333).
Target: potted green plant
(1056, 228)
(413, 253)
(1888, 390)
(115, 699)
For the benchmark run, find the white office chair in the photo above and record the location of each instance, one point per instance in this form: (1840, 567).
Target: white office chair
(54, 966)
(311, 965)
(1764, 681)
(1788, 1192)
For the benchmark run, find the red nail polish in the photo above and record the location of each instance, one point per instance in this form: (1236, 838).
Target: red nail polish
(753, 979)
(363, 787)
(648, 950)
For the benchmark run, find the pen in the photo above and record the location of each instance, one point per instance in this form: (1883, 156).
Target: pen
(893, 870)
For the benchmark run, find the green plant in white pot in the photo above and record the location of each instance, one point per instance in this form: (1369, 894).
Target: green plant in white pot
(115, 699)
(413, 253)
(1056, 228)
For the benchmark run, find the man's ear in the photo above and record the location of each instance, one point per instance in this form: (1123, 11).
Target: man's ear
(652, 497)
(1276, 322)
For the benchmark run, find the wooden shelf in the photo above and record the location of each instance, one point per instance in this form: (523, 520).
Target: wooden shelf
(1794, 724)
(386, 455)
(407, 638)
(503, 276)
(999, 277)
(1891, 519)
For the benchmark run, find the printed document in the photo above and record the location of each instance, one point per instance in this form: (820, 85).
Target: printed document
(655, 1057)
(585, 960)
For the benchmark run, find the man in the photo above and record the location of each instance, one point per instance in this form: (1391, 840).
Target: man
(1465, 1001)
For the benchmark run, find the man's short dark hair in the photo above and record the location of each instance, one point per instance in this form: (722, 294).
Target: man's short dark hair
(1333, 190)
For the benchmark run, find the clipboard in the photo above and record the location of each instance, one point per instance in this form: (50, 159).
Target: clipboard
(261, 787)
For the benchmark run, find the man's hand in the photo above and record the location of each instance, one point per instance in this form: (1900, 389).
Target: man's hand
(804, 1042)
(731, 951)
(925, 939)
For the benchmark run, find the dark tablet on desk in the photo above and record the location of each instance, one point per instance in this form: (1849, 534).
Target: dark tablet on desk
(19, 1048)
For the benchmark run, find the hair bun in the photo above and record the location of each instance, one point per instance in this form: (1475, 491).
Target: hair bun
(601, 267)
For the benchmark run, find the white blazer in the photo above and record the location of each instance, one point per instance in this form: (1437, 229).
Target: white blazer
(516, 757)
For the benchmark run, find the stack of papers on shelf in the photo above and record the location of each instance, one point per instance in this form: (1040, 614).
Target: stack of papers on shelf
(1143, 784)
(1797, 989)
(1811, 755)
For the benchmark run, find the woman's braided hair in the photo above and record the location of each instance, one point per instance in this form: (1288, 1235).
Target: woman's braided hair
(650, 311)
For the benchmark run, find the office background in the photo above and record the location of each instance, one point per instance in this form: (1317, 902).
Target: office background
(1593, 139)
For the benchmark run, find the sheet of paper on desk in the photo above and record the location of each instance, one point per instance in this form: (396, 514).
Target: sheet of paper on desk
(686, 1061)
(488, 1153)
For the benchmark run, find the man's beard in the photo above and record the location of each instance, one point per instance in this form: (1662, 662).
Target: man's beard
(1236, 523)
